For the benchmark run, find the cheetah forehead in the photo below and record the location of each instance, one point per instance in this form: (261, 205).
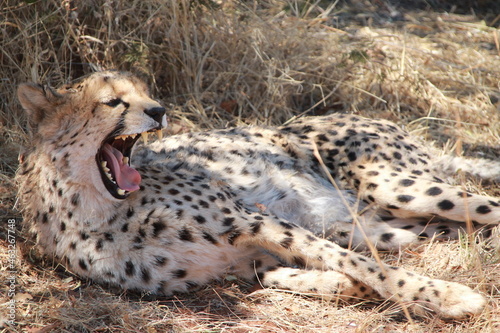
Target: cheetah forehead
(102, 86)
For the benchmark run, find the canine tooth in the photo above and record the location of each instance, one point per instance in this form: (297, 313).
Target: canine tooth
(104, 164)
(144, 137)
(109, 175)
(121, 192)
(159, 134)
(133, 136)
(125, 160)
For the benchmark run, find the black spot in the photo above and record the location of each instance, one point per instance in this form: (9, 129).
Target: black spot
(125, 227)
(45, 218)
(386, 237)
(339, 143)
(299, 261)
(145, 275)
(158, 227)
(195, 191)
(417, 172)
(255, 227)
(129, 268)
(179, 274)
(203, 204)
(160, 261)
(352, 156)
(483, 209)
(233, 236)
(84, 236)
(372, 173)
(173, 191)
(200, 219)
(75, 199)
(130, 212)
(311, 238)
(397, 155)
(221, 196)
(62, 227)
(343, 254)
(446, 205)
(401, 283)
(403, 198)
(287, 242)
(185, 235)
(371, 186)
(381, 277)
(493, 203)
(434, 191)
(226, 210)
(228, 221)
(322, 137)
(209, 238)
(108, 236)
(286, 225)
(406, 182)
(82, 264)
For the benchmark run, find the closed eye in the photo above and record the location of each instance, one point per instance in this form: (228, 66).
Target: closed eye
(114, 102)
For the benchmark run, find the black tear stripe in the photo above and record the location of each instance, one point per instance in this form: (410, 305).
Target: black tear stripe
(120, 125)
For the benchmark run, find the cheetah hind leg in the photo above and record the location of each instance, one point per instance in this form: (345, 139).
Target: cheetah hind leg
(267, 271)
(298, 246)
(408, 196)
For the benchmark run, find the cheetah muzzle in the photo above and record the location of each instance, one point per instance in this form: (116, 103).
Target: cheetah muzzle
(252, 201)
(113, 158)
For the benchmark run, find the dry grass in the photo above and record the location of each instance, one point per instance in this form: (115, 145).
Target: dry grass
(242, 62)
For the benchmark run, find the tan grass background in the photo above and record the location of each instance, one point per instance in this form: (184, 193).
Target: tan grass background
(431, 66)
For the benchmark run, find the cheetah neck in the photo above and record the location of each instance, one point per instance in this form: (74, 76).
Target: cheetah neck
(52, 200)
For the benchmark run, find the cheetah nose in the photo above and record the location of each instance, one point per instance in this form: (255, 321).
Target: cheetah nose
(156, 113)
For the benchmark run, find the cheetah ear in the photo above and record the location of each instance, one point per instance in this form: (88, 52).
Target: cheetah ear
(38, 101)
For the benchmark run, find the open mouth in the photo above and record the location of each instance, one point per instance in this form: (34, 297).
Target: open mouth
(113, 161)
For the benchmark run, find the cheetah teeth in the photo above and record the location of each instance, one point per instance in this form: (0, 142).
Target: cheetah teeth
(144, 135)
(125, 136)
(106, 170)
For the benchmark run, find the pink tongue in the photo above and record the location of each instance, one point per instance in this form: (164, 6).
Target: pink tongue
(126, 178)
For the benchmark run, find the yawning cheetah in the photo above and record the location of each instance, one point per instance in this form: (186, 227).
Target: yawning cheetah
(255, 201)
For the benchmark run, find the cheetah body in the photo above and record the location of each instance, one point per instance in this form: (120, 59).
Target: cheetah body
(246, 201)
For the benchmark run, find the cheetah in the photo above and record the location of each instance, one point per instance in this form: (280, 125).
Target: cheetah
(283, 206)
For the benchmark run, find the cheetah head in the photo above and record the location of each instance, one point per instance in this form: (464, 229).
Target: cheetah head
(91, 126)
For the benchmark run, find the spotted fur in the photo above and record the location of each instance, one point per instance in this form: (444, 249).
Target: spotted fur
(251, 201)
